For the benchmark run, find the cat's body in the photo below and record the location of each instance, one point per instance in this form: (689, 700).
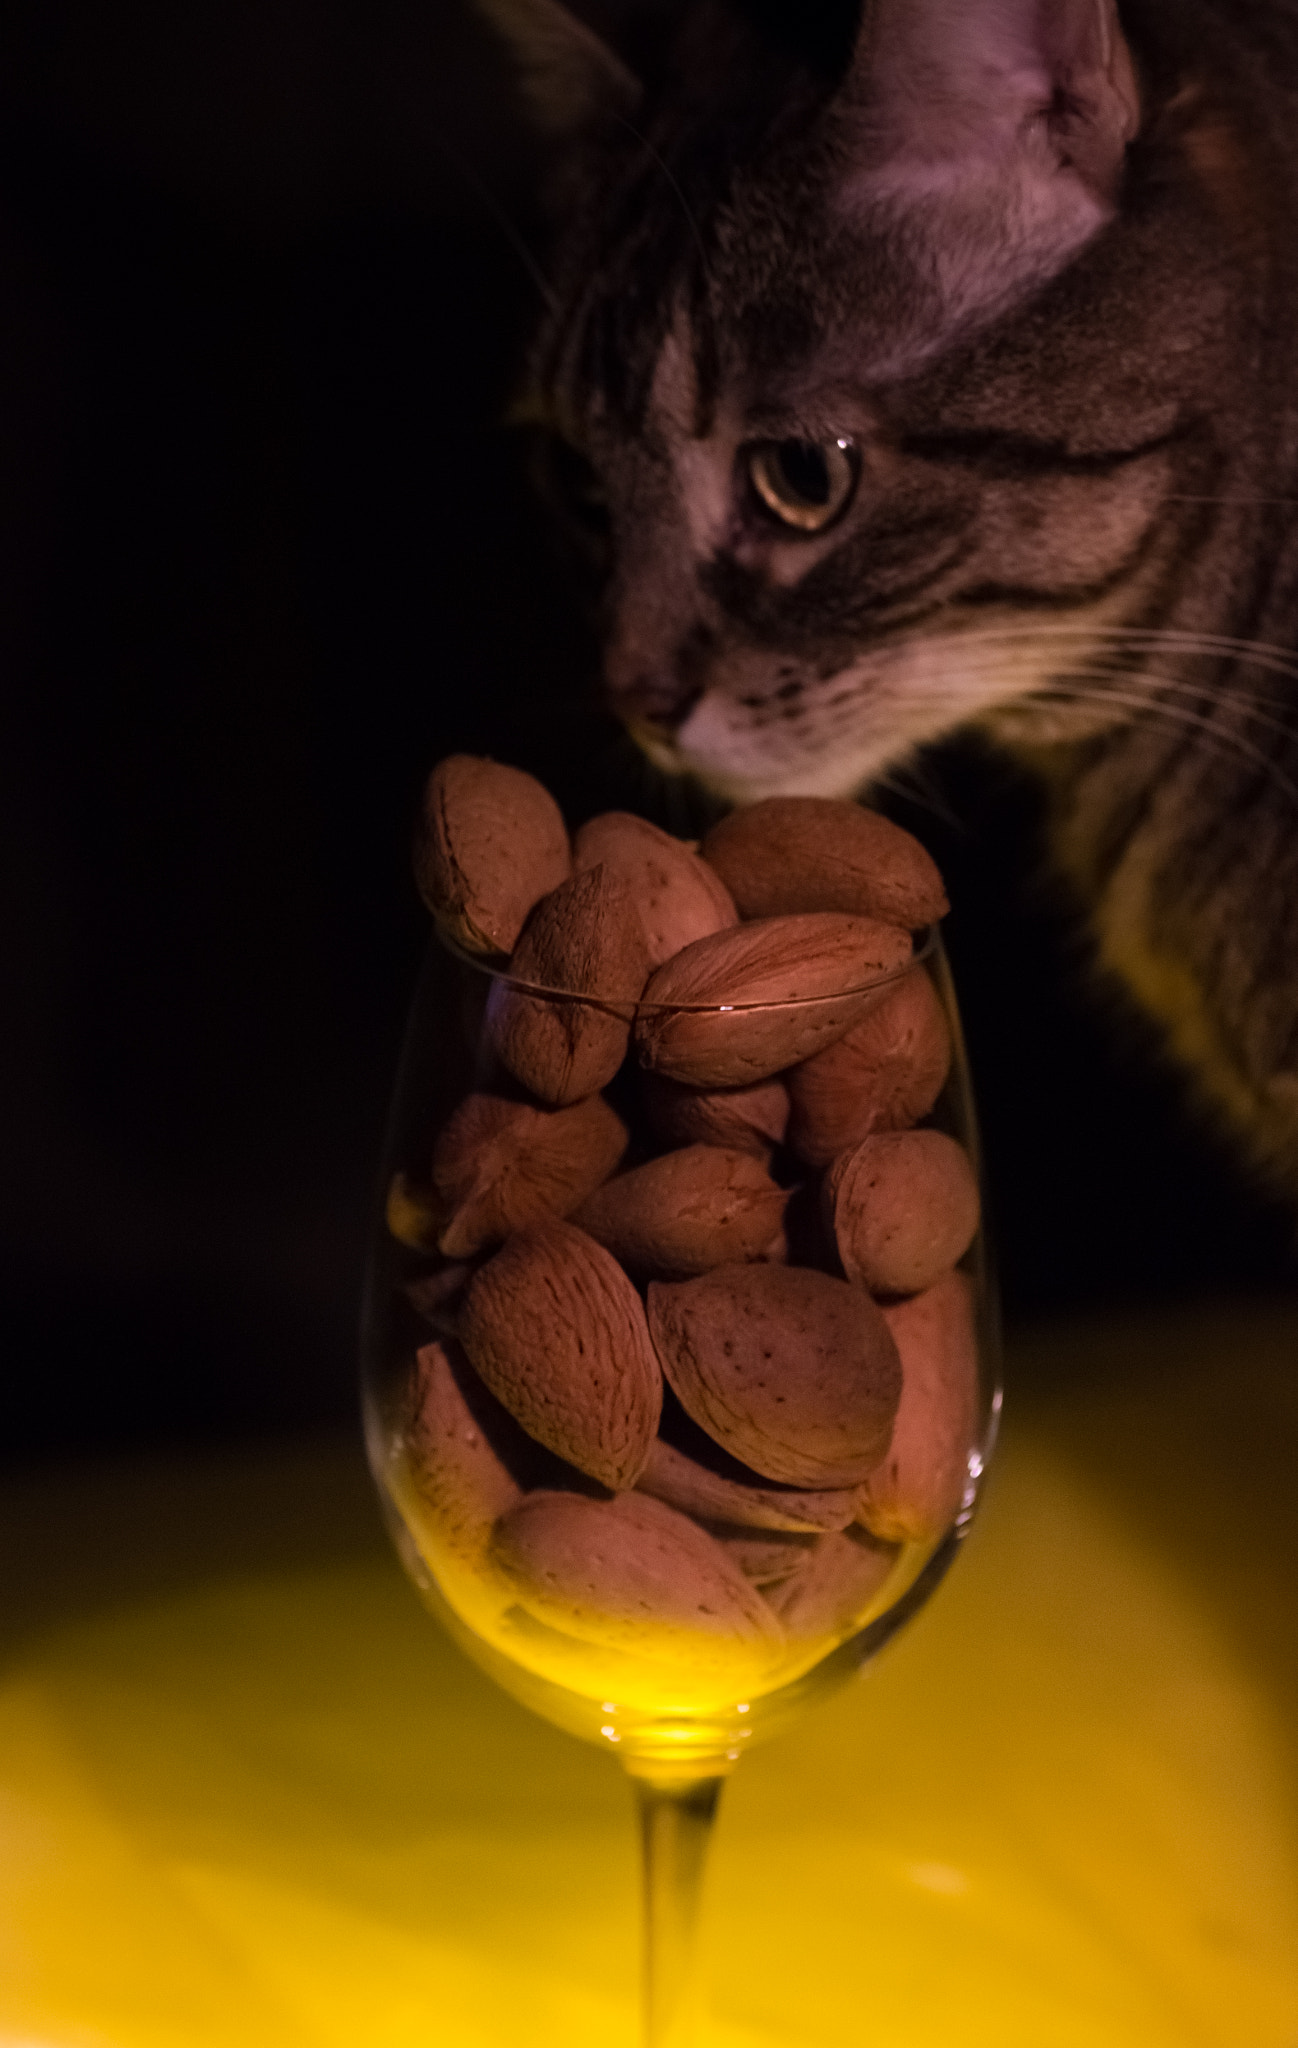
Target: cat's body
(949, 374)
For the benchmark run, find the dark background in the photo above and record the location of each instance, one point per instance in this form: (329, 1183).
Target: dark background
(265, 554)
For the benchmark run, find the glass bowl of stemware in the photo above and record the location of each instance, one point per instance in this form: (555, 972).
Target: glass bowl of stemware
(674, 1603)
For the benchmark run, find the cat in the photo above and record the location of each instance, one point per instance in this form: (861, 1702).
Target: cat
(932, 365)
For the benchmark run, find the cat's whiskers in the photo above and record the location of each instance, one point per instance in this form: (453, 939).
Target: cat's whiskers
(904, 694)
(1095, 687)
(908, 781)
(1149, 685)
(1256, 653)
(1250, 653)
(1159, 683)
(1143, 690)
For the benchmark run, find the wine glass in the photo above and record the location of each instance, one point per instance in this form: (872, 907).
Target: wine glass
(672, 1608)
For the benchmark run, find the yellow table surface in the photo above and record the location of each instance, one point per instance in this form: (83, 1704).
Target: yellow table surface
(248, 1794)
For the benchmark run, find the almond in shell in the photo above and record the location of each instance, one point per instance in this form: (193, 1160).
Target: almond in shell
(491, 843)
(582, 941)
(767, 1557)
(716, 1488)
(882, 1075)
(820, 853)
(737, 1007)
(634, 1575)
(793, 1372)
(556, 1330)
(500, 1165)
(904, 1206)
(686, 1212)
(834, 1591)
(751, 1119)
(678, 897)
(461, 1483)
(916, 1492)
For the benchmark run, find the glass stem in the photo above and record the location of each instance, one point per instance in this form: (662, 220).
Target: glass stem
(676, 1818)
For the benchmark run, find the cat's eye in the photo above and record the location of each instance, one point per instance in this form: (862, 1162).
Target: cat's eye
(803, 484)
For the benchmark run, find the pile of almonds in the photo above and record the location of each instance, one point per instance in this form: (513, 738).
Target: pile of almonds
(705, 1358)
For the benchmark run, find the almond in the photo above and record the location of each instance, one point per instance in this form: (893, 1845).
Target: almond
(793, 1372)
(460, 1481)
(833, 1593)
(766, 1557)
(916, 1493)
(633, 1575)
(820, 853)
(739, 1495)
(737, 1007)
(686, 1212)
(500, 1165)
(491, 842)
(677, 896)
(582, 940)
(904, 1206)
(742, 1119)
(555, 1328)
(882, 1075)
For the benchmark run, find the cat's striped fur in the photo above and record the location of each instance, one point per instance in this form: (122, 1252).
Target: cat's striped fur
(1035, 263)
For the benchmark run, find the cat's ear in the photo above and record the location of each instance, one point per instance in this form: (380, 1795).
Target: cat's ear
(991, 133)
(957, 83)
(570, 77)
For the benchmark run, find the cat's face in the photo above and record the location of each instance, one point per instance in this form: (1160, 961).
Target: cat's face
(830, 574)
(873, 417)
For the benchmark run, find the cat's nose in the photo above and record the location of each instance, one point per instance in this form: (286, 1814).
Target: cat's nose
(653, 697)
(652, 679)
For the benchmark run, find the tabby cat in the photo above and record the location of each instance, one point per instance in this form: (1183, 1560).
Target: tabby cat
(933, 364)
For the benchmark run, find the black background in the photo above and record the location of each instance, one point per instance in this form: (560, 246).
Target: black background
(265, 554)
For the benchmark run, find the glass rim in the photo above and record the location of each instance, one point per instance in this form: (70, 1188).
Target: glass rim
(926, 943)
